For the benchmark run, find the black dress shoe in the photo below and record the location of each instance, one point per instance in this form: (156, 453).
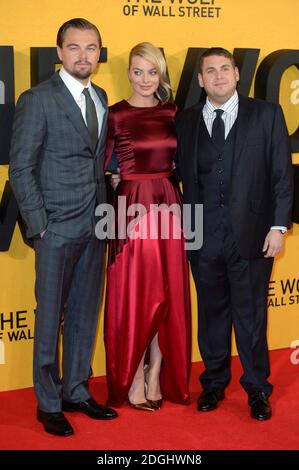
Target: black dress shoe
(208, 399)
(260, 405)
(55, 423)
(90, 408)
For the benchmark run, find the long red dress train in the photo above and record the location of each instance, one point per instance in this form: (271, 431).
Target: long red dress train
(147, 277)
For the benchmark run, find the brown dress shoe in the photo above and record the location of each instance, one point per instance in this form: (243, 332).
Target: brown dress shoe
(55, 423)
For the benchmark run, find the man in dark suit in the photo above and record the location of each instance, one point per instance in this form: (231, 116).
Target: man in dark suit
(234, 158)
(56, 171)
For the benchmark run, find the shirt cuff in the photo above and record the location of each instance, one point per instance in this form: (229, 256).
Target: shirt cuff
(279, 227)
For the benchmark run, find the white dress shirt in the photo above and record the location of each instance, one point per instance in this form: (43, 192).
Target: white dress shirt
(76, 88)
(229, 116)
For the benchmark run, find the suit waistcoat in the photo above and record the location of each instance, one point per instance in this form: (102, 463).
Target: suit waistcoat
(214, 179)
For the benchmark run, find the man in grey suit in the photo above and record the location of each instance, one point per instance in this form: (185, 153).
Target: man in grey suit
(56, 171)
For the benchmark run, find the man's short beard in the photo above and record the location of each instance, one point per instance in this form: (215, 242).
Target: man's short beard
(81, 75)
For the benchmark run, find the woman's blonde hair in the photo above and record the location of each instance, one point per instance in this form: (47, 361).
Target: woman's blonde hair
(149, 52)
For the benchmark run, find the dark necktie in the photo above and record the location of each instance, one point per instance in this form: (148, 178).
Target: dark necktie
(218, 133)
(91, 118)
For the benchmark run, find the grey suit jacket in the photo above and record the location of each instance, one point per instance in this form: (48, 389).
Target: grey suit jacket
(56, 176)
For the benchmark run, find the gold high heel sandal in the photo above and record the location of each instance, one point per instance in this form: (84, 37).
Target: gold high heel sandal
(145, 406)
(156, 403)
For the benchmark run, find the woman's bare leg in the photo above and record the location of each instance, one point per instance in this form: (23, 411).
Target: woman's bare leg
(153, 371)
(136, 393)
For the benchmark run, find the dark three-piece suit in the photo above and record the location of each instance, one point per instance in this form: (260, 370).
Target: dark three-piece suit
(246, 187)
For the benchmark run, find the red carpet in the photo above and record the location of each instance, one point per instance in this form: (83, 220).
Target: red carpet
(174, 426)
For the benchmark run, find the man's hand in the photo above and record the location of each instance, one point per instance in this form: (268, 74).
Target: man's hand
(274, 243)
(115, 179)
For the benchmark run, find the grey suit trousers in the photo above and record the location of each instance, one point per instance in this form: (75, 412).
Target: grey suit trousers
(69, 285)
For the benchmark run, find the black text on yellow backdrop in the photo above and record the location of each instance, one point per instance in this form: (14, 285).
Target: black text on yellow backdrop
(42, 65)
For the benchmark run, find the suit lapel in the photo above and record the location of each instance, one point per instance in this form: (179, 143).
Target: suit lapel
(66, 101)
(196, 118)
(105, 115)
(243, 121)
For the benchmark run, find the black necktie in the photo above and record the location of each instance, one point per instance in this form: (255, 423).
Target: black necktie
(218, 133)
(91, 118)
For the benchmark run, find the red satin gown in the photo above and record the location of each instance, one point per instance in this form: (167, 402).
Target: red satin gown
(147, 277)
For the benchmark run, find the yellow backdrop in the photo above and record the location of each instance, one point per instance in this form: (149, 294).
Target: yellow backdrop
(174, 25)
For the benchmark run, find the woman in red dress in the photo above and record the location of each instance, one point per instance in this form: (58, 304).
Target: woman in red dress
(147, 314)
